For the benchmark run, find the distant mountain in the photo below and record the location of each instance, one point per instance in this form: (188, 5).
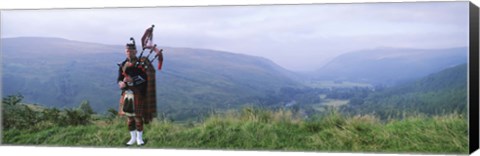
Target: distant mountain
(61, 73)
(390, 65)
(438, 93)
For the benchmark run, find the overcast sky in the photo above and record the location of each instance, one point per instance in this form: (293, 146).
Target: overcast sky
(297, 37)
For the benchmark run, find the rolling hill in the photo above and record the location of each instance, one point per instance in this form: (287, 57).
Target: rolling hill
(389, 66)
(439, 93)
(61, 73)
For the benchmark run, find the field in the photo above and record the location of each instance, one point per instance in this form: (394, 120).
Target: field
(258, 129)
(427, 115)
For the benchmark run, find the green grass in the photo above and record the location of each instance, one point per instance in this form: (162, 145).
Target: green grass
(281, 130)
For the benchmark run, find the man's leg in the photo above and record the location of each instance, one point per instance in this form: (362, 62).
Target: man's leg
(139, 125)
(131, 127)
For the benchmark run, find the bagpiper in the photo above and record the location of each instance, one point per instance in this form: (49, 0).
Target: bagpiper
(136, 79)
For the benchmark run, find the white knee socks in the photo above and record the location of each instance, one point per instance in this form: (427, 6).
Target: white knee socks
(139, 138)
(133, 138)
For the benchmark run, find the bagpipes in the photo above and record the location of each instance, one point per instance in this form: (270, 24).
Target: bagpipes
(147, 41)
(145, 62)
(149, 107)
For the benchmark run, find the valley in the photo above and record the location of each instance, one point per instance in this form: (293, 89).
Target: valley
(195, 82)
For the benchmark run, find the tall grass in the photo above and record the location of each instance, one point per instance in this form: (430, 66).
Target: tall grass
(258, 129)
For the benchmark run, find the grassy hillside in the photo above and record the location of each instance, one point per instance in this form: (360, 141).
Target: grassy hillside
(423, 116)
(62, 73)
(439, 93)
(195, 82)
(256, 129)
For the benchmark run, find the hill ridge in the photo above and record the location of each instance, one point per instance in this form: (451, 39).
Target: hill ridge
(390, 65)
(64, 73)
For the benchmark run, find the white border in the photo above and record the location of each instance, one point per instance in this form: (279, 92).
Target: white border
(73, 151)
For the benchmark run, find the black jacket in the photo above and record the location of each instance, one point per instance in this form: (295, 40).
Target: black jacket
(137, 73)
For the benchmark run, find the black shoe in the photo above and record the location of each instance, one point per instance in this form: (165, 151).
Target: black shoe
(144, 142)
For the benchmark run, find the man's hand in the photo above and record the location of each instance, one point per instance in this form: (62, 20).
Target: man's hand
(129, 64)
(127, 79)
(121, 84)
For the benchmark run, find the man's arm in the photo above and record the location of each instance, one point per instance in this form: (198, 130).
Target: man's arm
(120, 77)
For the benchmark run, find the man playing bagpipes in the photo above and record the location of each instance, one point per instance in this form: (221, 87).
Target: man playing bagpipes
(136, 79)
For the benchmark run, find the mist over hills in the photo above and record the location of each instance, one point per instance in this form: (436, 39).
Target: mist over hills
(438, 93)
(390, 65)
(61, 73)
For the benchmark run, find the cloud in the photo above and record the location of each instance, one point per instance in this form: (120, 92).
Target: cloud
(297, 37)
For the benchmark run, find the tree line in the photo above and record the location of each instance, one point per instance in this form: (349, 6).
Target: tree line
(18, 115)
